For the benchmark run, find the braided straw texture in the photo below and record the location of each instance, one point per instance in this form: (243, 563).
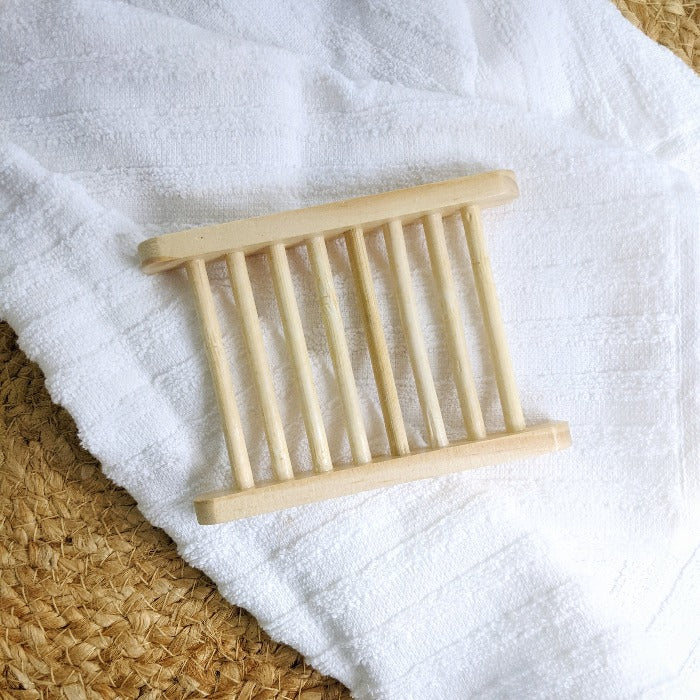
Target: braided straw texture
(94, 601)
(675, 24)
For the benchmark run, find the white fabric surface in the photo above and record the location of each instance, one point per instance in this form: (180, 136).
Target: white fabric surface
(572, 575)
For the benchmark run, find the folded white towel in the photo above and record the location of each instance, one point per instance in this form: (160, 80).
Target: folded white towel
(573, 575)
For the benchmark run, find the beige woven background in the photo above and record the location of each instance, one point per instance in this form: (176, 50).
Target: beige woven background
(94, 601)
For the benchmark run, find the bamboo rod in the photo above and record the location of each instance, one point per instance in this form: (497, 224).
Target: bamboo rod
(333, 322)
(296, 346)
(262, 377)
(456, 342)
(221, 375)
(398, 262)
(378, 352)
(493, 322)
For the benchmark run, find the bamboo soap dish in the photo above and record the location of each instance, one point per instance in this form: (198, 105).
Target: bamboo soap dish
(351, 220)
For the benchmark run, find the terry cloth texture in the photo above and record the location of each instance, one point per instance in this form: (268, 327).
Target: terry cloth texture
(568, 575)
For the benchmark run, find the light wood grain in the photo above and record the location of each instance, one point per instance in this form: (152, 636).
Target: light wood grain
(299, 355)
(493, 322)
(221, 506)
(389, 212)
(425, 386)
(221, 375)
(378, 351)
(337, 344)
(454, 329)
(262, 377)
(292, 227)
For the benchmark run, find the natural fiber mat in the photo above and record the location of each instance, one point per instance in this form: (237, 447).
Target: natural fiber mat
(675, 24)
(94, 601)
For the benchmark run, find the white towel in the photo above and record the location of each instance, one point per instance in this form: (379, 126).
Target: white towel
(572, 575)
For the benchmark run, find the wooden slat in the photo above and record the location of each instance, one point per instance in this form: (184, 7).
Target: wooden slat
(262, 377)
(456, 342)
(337, 344)
(493, 322)
(221, 375)
(299, 355)
(398, 263)
(221, 506)
(378, 351)
(292, 227)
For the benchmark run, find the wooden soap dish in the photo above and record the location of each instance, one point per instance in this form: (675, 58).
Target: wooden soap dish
(352, 219)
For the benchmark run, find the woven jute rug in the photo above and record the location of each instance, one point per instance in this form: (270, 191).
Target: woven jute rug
(94, 601)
